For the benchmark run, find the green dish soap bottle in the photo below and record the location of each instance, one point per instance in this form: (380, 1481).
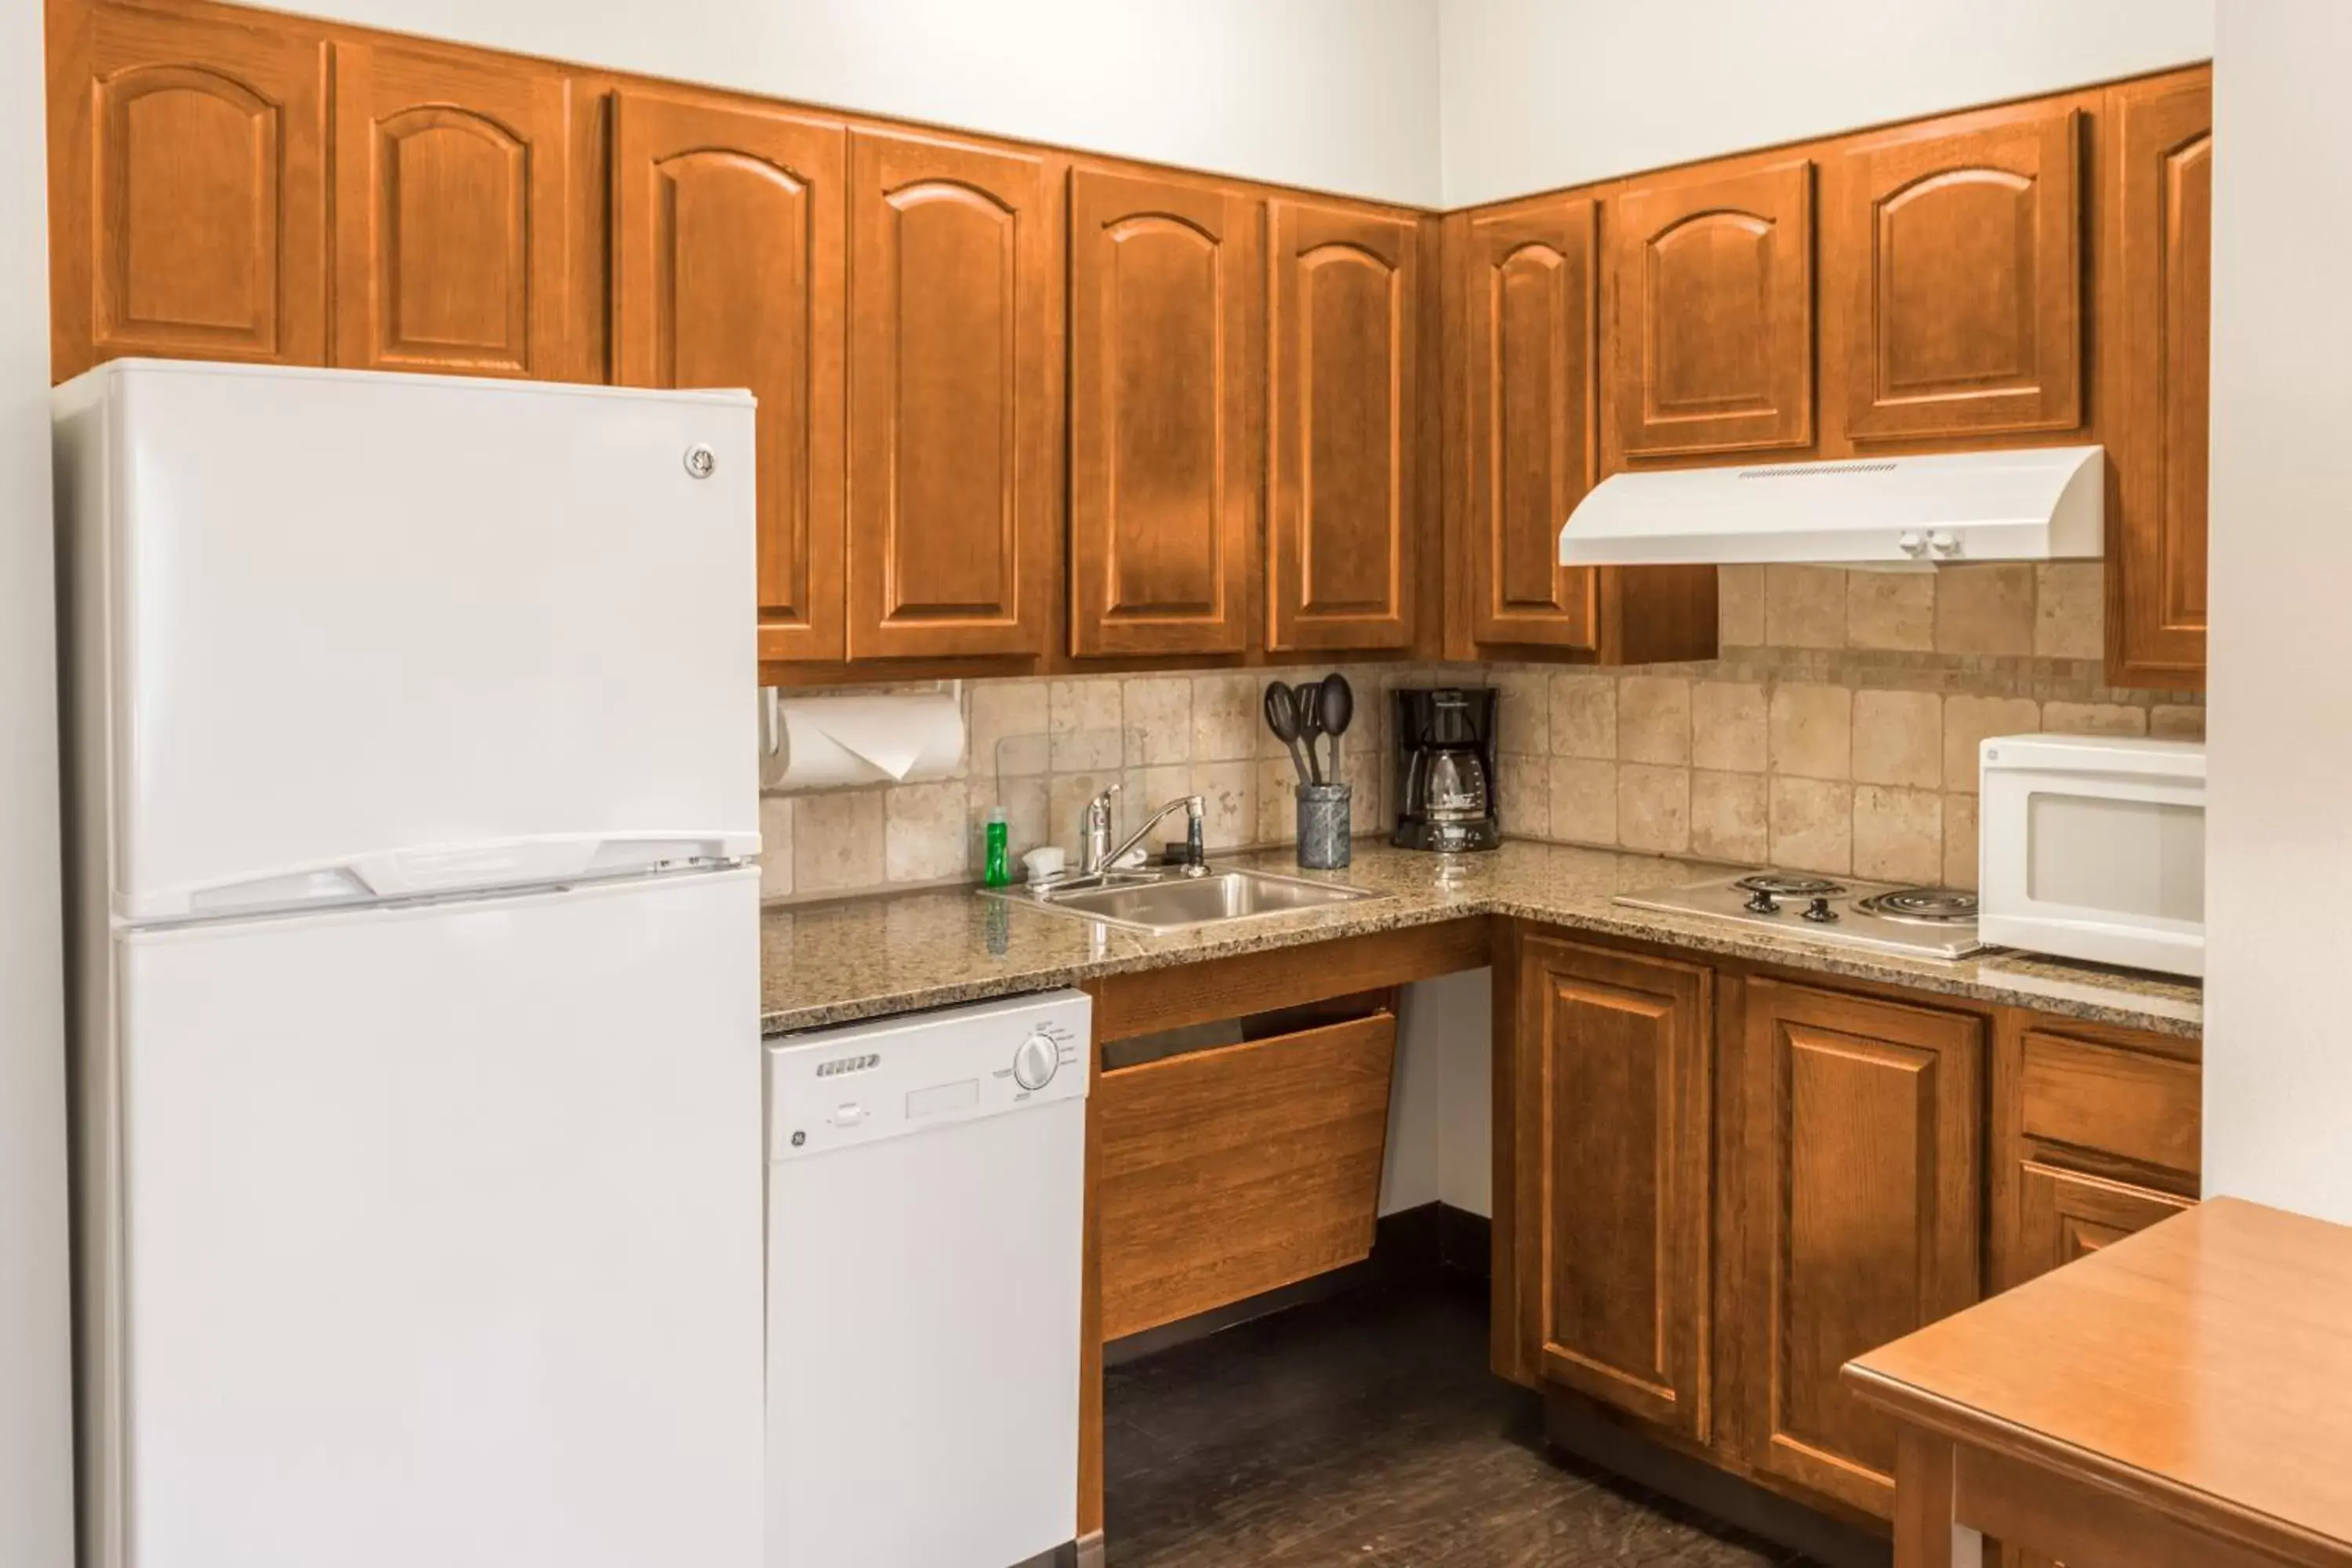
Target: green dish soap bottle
(994, 871)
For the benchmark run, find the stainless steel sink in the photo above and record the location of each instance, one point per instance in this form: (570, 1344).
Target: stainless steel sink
(1158, 903)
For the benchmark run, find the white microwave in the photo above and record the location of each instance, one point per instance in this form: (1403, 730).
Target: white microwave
(2093, 847)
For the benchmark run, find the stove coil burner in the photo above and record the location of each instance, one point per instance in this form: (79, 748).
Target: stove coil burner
(1923, 906)
(1788, 885)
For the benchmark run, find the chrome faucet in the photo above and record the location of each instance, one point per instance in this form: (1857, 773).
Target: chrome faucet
(1096, 855)
(1094, 834)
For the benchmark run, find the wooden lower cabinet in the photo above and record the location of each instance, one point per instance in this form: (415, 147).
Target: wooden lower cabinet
(1860, 1184)
(1715, 1186)
(2095, 1134)
(1613, 1075)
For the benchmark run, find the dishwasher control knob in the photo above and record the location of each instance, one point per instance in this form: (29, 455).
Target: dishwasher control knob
(1035, 1061)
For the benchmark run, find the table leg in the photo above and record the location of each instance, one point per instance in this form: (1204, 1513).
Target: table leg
(1925, 1533)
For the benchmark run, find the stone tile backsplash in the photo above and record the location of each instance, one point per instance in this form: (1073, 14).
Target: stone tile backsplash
(1041, 748)
(1837, 732)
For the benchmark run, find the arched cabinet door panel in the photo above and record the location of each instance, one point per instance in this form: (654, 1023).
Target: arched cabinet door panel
(1167, 318)
(1711, 286)
(1530, 289)
(450, 213)
(2162, 228)
(729, 269)
(951, 421)
(1956, 257)
(188, 187)
(1343, 515)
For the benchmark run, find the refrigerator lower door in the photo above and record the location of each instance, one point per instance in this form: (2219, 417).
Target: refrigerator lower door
(436, 1237)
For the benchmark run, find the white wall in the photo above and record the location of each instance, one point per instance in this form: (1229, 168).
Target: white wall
(1338, 95)
(1440, 1110)
(2278, 1036)
(1535, 94)
(35, 1490)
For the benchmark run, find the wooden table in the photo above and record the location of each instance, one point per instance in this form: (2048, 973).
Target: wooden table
(2181, 1399)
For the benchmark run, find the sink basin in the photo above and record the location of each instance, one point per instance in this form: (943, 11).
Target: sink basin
(1160, 903)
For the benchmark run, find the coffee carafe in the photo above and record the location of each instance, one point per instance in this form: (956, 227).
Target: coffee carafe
(1445, 772)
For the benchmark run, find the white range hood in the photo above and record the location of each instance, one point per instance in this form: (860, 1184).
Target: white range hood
(2032, 503)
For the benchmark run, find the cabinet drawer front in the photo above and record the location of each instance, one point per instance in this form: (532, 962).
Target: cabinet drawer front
(1231, 1171)
(2063, 1215)
(2145, 1108)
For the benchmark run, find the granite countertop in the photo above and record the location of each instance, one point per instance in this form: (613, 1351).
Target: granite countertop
(892, 953)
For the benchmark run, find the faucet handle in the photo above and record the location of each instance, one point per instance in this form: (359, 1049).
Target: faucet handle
(1098, 808)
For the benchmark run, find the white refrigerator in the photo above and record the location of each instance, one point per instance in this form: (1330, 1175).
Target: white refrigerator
(412, 793)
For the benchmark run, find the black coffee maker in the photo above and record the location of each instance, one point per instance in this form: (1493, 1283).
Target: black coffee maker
(1445, 770)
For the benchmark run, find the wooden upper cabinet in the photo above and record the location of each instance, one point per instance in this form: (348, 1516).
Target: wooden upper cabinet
(1167, 409)
(2162, 235)
(450, 212)
(1343, 520)
(1955, 252)
(1863, 1122)
(951, 420)
(188, 184)
(1613, 1074)
(1530, 288)
(1712, 291)
(729, 269)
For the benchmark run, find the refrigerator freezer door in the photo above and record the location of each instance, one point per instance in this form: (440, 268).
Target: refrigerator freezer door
(340, 634)
(437, 1235)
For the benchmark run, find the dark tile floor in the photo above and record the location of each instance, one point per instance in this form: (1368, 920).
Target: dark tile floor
(1367, 1430)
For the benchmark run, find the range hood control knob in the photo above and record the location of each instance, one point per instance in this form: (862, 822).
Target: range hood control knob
(1944, 543)
(1912, 544)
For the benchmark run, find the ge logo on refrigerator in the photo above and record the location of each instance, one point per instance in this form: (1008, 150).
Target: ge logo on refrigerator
(701, 460)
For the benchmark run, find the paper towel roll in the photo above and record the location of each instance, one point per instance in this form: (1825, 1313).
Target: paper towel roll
(897, 738)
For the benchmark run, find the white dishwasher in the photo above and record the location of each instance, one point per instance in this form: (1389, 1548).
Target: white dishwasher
(925, 1198)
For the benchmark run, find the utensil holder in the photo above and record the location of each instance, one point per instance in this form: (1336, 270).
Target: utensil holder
(1325, 826)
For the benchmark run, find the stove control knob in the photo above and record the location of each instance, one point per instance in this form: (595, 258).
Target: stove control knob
(1034, 1062)
(1819, 910)
(1762, 902)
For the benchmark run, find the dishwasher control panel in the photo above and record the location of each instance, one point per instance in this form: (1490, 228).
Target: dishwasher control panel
(833, 1089)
